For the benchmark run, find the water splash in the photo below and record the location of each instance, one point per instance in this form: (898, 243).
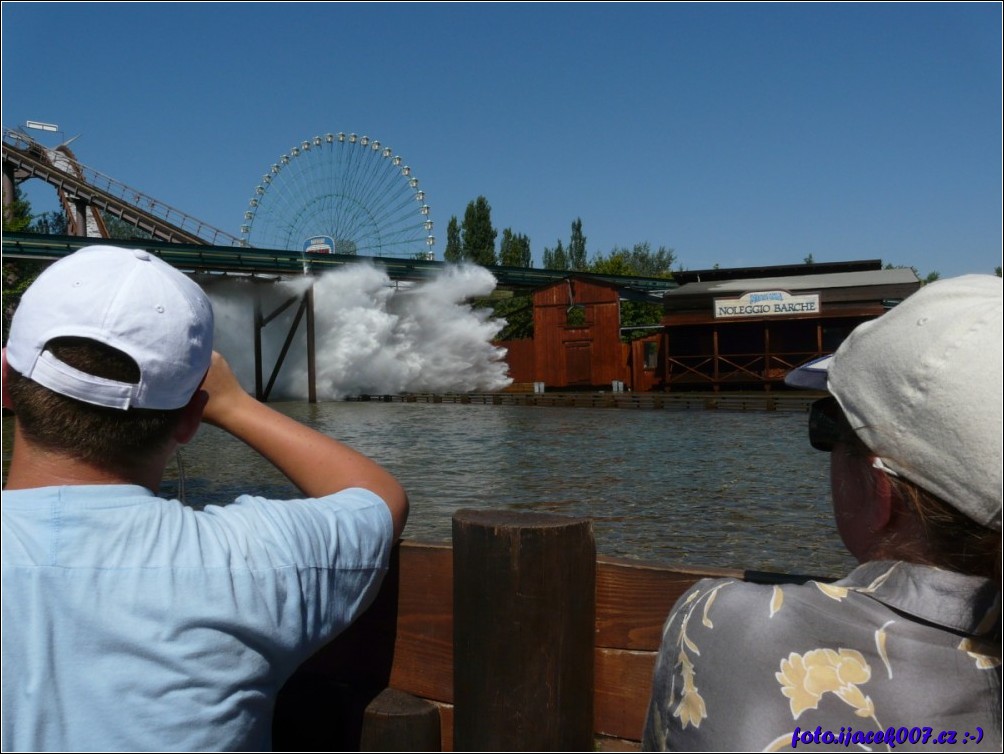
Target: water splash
(371, 336)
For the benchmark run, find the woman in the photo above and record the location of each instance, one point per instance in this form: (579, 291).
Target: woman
(905, 651)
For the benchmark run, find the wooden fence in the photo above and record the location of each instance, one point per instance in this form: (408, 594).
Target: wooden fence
(475, 639)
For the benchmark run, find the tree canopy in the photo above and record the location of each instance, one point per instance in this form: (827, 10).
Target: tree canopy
(514, 250)
(577, 248)
(453, 252)
(556, 258)
(18, 274)
(639, 261)
(17, 214)
(477, 234)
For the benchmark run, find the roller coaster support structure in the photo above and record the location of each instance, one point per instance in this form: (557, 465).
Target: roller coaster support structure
(260, 321)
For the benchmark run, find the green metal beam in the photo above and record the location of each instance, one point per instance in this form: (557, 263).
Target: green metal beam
(249, 261)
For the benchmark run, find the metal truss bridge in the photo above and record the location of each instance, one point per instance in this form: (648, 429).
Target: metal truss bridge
(228, 260)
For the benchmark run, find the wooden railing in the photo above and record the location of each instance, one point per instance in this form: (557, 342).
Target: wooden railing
(722, 369)
(406, 642)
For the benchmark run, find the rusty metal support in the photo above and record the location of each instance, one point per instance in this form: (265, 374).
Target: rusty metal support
(311, 355)
(260, 321)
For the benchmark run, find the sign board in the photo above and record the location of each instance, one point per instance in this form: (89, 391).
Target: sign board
(319, 245)
(766, 304)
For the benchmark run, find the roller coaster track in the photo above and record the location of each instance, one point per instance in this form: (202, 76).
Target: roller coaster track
(82, 191)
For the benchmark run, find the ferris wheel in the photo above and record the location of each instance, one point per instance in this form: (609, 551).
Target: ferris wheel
(343, 194)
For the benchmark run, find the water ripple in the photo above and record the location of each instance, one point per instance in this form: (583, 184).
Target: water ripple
(738, 490)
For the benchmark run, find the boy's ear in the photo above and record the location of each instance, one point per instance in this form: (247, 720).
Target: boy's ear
(191, 417)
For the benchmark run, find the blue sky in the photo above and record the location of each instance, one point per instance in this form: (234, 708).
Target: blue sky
(735, 134)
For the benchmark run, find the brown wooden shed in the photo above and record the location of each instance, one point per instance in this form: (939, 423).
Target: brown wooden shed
(577, 339)
(576, 333)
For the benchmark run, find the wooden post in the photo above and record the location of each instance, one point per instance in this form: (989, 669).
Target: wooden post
(258, 325)
(78, 223)
(397, 721)
(524, 594)
(311, 359)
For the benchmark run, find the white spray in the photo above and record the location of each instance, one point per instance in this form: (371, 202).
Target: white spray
(371, 336)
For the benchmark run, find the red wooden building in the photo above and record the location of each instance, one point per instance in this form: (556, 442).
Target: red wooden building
(577, 339)
(721, 329)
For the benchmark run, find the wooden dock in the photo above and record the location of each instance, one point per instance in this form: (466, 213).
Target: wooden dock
(465, 646)
(777, 401)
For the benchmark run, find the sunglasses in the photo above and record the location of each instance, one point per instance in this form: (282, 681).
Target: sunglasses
(827, 424)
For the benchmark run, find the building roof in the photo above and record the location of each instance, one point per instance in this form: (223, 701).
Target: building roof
(893, 284)
(782, 270)
(897, 276)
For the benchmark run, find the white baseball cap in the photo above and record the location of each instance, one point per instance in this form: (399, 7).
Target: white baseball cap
(921, 387)
(127, 299)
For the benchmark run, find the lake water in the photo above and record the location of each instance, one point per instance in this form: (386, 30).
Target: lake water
(705, 488)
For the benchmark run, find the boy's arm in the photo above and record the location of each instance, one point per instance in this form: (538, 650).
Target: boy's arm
(317, 464)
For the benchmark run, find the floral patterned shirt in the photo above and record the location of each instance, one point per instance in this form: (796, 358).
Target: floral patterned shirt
(895, 656)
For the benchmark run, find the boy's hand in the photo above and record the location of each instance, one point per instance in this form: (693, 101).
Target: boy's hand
(225, 392)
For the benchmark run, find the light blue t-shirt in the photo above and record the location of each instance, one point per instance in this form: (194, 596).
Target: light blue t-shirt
(131, 622)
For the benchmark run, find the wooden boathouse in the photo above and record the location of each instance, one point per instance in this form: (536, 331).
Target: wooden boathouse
(734, 329)
(577, 344)
(747, 328)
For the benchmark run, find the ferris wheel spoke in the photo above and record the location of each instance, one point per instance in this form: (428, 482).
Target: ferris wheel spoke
(346, 186)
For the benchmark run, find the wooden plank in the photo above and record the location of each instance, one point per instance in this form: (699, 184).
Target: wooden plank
(623, 685)
(605, 743)
(405, 639)
(633, 600)
(423, 647)
(446, 725)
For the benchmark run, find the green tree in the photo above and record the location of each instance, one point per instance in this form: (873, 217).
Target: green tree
(517, 311)
(617, 263)
(577, 247)
(639, 261)
(506, 247)
(16, 213)
(653, 264)
(930, 278)
(514, 250)
(556, 259)
(119, 228)
(18, 274)
(477, 234)
(640, 314)
(51, 223)
(453, 252)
